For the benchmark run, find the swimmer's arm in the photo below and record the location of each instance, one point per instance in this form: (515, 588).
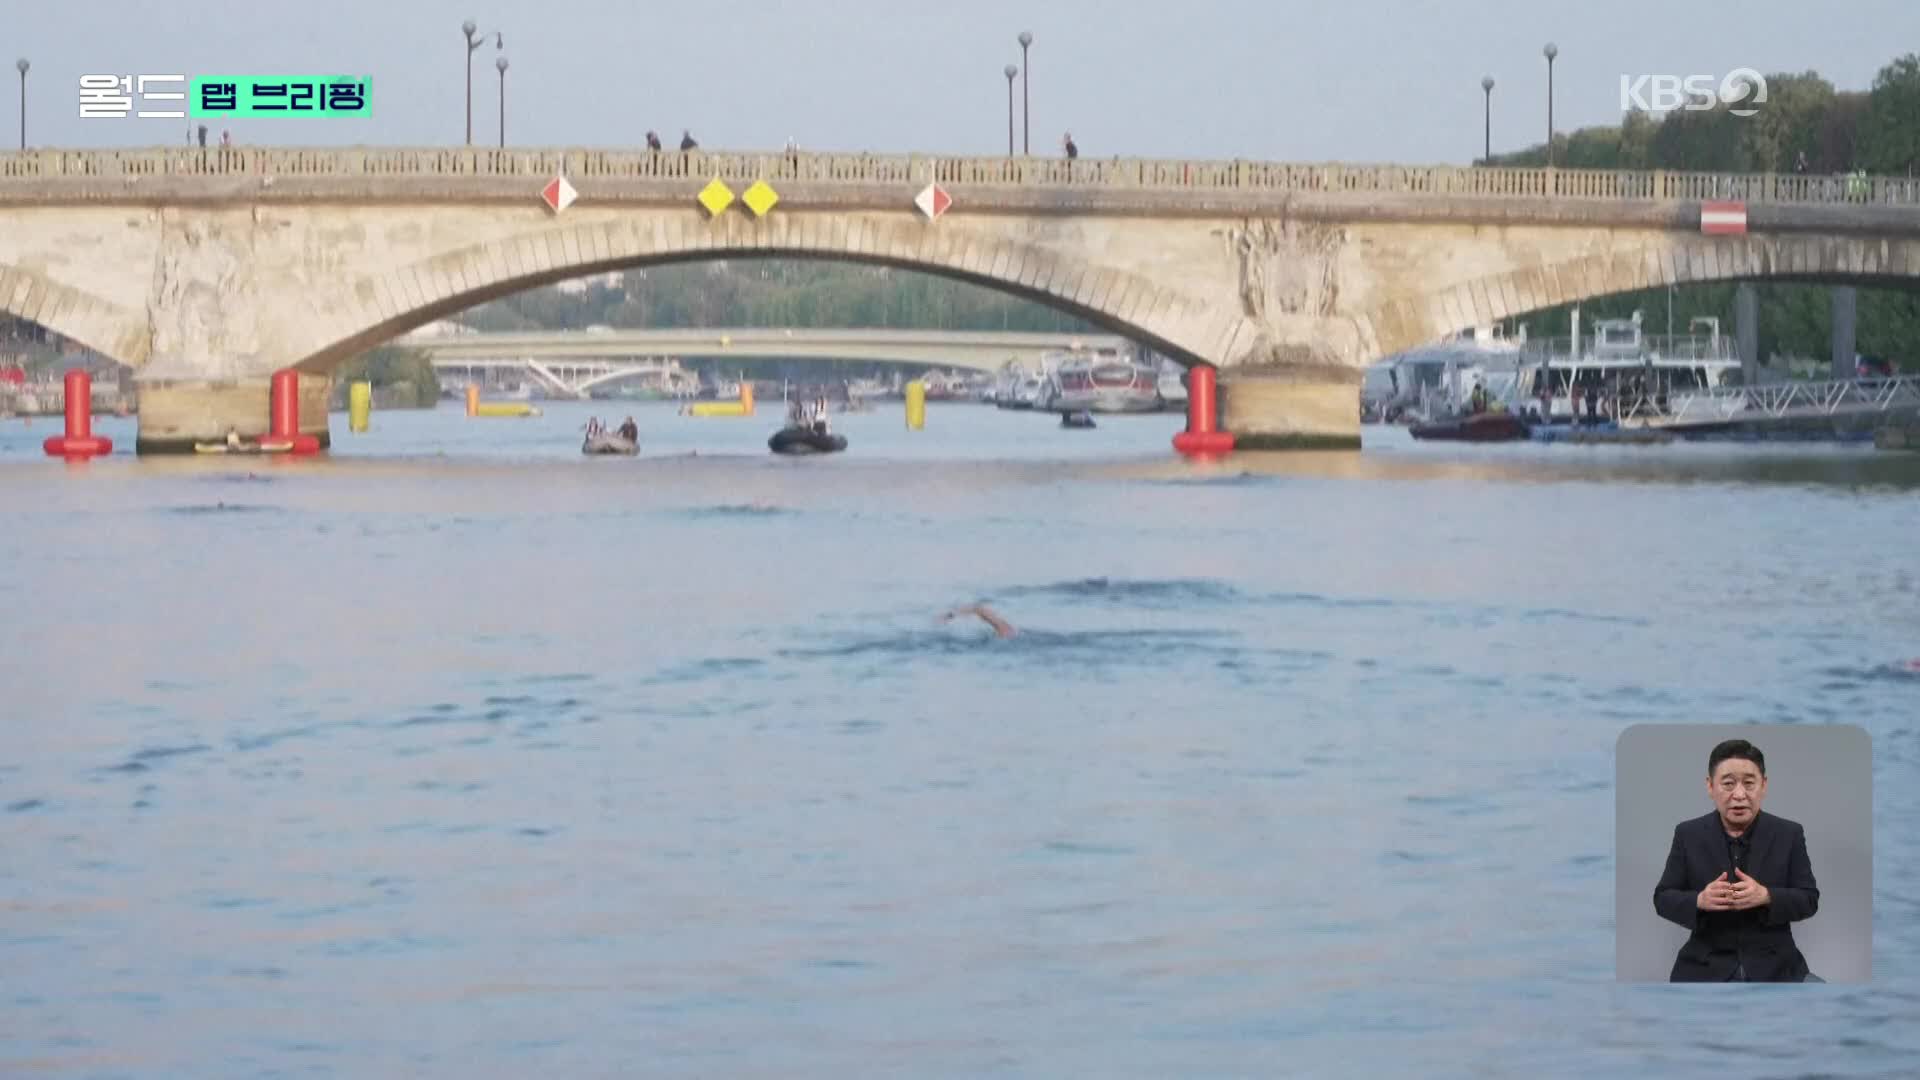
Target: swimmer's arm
(1001, 627)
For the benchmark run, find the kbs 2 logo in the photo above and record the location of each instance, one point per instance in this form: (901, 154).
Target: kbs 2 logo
(1743, 91)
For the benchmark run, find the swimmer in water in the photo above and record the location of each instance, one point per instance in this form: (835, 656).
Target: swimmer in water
(1001, 627)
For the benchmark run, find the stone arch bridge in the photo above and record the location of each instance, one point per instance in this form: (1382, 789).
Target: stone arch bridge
(207, 269)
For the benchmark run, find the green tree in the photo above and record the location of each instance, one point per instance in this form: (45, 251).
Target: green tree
(407, 372)
(1889, 134)
(1788, 124)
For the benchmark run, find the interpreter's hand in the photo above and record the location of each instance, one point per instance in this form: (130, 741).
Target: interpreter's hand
(1748, 893)
(1717, 896)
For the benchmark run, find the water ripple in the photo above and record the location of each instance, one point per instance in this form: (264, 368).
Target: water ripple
(1177, 593)
(199, 509)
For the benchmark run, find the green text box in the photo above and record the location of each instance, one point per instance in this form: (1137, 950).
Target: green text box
(219, 96)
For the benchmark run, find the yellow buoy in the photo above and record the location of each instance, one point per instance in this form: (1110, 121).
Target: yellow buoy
(359, 404)
(916, 405)
(741, 407)
(505, 408)
(476, 407)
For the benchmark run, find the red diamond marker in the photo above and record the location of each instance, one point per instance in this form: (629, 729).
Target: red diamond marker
(558, 194)
(933, 201)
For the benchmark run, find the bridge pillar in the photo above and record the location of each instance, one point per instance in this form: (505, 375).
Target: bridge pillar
(1291, 408)
(1746, 331)
(1842, 304)
(176, 413)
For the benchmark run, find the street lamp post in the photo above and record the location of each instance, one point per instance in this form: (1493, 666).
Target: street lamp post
(1026, 103)
(500, 65)
(1550, 52)
(474, 41)
(1010, 72)
(1486, 153)
(23, 66)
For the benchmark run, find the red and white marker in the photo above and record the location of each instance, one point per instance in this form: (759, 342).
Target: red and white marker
(558, 194)
(1723, 217)
(933, 201)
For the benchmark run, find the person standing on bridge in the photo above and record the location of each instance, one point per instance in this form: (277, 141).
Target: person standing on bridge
(686, 140)
(1073, 150)
(653, 140)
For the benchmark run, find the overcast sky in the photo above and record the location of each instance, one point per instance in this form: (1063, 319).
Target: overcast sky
(1349, 80)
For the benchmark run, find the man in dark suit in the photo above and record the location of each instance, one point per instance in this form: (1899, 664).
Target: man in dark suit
(1738, 878)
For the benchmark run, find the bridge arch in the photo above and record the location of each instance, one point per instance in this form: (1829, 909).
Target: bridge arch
(75, 314)
(1125, 302)
(1637, 262)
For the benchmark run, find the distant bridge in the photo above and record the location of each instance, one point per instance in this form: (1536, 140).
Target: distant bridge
(977, 350)
(575, 378)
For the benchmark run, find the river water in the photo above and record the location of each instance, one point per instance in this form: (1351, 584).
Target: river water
(458, 754)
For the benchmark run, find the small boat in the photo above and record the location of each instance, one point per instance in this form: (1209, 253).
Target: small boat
(805, 440)
(1081, 419)
(263, 447)
(1480, 427)
(609, 442)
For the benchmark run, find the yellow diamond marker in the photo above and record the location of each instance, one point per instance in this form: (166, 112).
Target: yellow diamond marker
(760, 198)
(716, 196)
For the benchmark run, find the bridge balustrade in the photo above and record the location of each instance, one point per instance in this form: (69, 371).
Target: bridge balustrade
(19, 169)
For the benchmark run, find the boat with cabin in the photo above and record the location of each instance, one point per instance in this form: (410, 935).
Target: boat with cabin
(1435, 383)
(1101, 381)
(1622, 375)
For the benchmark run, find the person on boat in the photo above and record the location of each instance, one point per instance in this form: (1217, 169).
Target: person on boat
(233, 439)
(629, 430)
(1479, 398)
(1001, 627)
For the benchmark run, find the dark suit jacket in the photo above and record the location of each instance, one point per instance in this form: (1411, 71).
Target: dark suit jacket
(1760, 938)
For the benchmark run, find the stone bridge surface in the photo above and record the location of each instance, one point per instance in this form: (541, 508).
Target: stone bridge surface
(207, 269)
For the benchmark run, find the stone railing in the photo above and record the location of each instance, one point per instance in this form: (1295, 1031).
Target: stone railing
(25, 168)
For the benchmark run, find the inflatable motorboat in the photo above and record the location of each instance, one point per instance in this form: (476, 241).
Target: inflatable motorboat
(1082, 419)
(805, 440)
(608, 442)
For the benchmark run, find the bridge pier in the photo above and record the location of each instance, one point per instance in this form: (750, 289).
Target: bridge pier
(176, 413)
(1746, 332)
(1843, 304)
(1291, 408)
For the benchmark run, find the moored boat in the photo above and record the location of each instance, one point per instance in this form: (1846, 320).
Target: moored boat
(1105, 380)
(1479, 427)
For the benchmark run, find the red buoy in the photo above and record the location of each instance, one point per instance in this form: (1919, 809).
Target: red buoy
(79, 440)
(284, 418)
(1202, 439)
